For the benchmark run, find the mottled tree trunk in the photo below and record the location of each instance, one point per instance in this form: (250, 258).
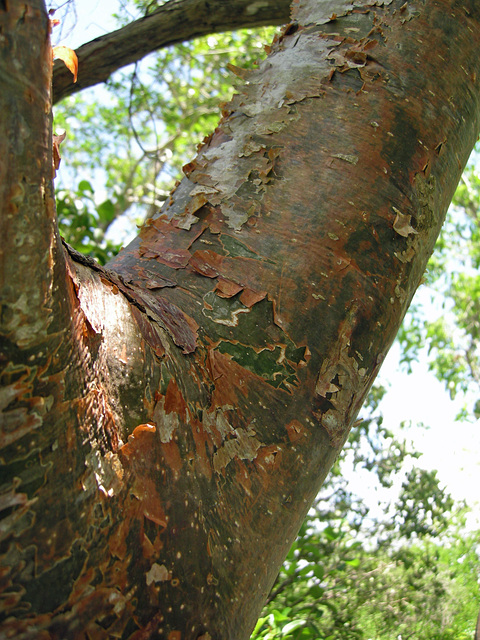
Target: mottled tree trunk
(167, 422)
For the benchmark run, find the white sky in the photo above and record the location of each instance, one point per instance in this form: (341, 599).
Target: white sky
(448, 446)
(93, 19)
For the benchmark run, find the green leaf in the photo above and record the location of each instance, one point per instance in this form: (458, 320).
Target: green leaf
(280, 616)
(316, 591)
(353, 563)
(84, 185)
(330, 533)
(318, 571)
(292, 626)
(106, 211)
(259, 625)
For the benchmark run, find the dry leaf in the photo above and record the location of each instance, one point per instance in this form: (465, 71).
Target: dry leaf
(69, 57)
(57, 141)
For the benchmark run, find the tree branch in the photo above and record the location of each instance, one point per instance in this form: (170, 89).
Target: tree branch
(174, 22)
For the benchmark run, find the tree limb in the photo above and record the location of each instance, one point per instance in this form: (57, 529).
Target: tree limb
(174, 22)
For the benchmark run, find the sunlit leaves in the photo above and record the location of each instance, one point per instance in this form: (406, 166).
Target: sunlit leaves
(423, 507)
(84, 223)
(351, 575)
(344, 585)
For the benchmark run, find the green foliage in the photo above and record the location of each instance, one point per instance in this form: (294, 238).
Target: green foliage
(427, 591)
(340, 583)
(306, 601)
(353, 575)
(85, 223)
(423, 507)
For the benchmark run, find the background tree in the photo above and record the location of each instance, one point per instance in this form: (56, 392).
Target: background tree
(240, 394)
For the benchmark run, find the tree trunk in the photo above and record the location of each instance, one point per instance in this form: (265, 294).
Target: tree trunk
(168, 421)
(173, 22)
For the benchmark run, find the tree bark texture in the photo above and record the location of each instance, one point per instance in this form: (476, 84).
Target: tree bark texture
(166, 429)
(173, 22)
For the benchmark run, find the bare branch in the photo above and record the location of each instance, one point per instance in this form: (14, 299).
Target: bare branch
(176, 21)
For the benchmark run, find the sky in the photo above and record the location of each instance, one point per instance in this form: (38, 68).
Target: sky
(421, 398)
(418, 397)
(91, 19)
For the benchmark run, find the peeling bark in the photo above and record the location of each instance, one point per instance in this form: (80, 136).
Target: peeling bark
(160, 460)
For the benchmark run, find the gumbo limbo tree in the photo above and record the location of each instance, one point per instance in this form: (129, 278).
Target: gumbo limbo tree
(167, 420)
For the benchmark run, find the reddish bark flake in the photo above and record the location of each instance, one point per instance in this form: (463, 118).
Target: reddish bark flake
(208, 263)
(174, 401)
(196, 202)
(341, 263)
(249, 297)
(215, 220)
(174, 258)
(172, 456)
(57, 141)
(110, 285)
(240, 72)
(295, 431)
(227, 288)
(140, 456)
(139, 441)
(268, 457)
(152, 507)
(151, 280)
(232, 380)
(117, 540)
(189, 167)
(200, 458)
(164, 241)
